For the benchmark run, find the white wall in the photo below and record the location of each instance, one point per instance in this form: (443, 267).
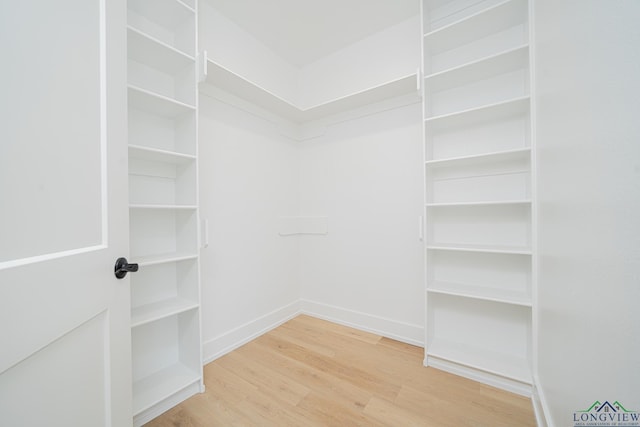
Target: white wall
(588, 147)
(248, 179)
(232, 47)
(387, 55)
(365, 175)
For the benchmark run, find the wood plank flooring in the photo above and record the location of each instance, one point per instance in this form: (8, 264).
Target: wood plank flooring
(309, 372)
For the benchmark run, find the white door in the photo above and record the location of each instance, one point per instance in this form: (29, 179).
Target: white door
(64, 317)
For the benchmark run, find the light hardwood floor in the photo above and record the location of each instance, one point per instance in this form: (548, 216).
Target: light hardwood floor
(309, 372)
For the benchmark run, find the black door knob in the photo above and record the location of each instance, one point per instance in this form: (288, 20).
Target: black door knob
(123, 267)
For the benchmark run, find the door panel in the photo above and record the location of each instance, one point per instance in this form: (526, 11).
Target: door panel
(73, 381)
(52, 202)
(64, 317)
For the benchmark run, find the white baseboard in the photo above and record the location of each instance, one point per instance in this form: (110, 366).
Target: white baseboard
(480, 376)
(540, 407)
(405, 332)
(229, 341)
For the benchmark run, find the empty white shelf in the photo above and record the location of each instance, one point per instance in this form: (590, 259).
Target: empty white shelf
(508, 366)
(164, 207)
(160, 105)
(481, 24)
(157, 387)
(492, 111)
(495, 249)
(169, 14)
(157, 155)
(144, 261)
(480, 292)
(509, 60)
(155, 53)
(159, 310)
(514, 154)
(223, 78)
(482, 203)
(189, 4)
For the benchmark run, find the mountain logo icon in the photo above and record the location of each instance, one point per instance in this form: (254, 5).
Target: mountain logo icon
(606, 414)
(607, 407)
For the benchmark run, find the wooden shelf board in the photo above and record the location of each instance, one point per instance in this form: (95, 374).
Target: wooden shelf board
(144, 261)
(480, 248)
(501, 109)
(155, 103)
(517, 153)
(160, 310)
(219, 76)
(157, 155)
(508, 366)
(161, 385)
(478, 25)
(150, 51)
(476, 292)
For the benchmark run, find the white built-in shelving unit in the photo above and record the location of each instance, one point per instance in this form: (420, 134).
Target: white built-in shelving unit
(163, 204)
(478, 185)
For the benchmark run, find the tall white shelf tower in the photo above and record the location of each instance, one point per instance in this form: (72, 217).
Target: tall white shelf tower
(479, 197)
(163, 204)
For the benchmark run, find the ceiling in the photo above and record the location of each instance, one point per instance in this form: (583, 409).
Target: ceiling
(302, 31)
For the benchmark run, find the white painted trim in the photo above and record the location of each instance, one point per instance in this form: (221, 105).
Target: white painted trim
(401, 331)
(307, 131)
(104, 100)
(540, 405)
(49, 257)
(229, 341)
(479, 376)
(220, 76)
(166, 404)
(533, 181)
